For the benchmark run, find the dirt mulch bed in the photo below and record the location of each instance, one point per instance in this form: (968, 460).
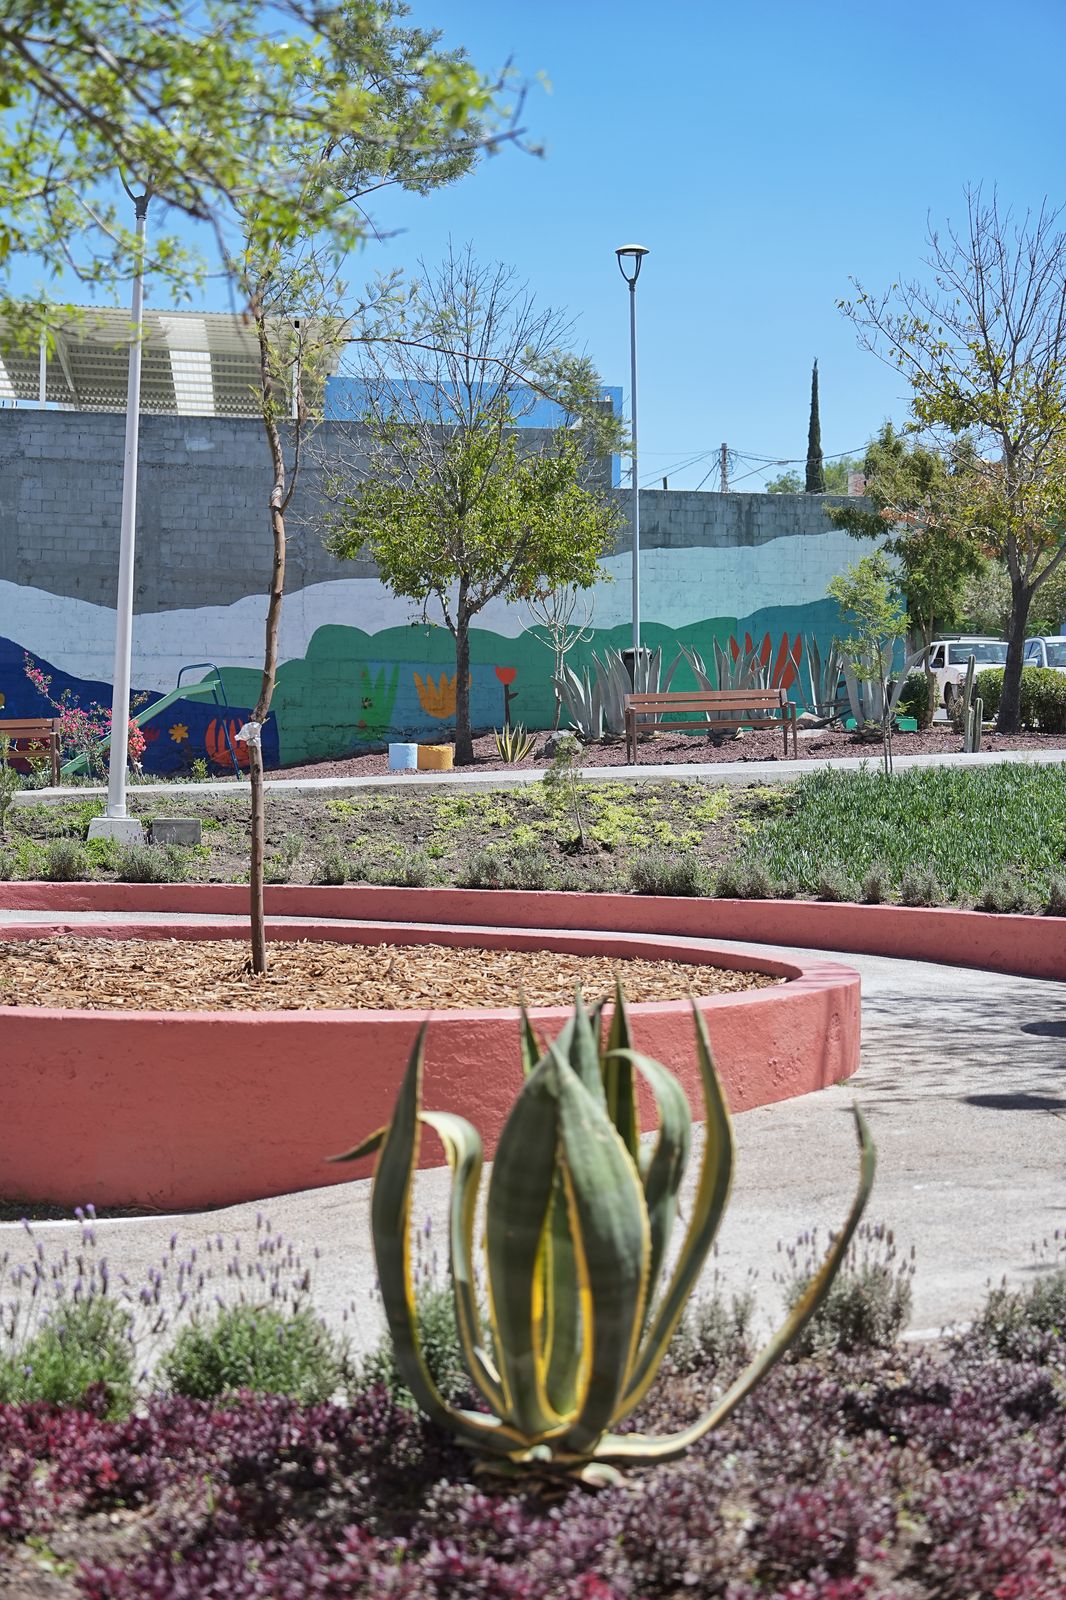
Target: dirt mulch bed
(213, 975)
(823, 744)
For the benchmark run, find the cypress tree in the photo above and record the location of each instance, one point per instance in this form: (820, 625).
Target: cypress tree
(815, 465)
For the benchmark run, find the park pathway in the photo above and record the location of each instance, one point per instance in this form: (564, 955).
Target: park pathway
(963, 1080)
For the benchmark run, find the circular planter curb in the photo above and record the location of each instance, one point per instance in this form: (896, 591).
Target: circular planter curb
(183, 1110)
(1028, 946)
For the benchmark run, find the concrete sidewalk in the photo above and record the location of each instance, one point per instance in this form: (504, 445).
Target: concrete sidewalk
(962, 1082)
(731, 774)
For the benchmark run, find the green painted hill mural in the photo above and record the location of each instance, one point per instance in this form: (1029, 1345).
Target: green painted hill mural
(354, 689)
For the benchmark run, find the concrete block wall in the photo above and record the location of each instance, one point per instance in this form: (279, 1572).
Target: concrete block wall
(711, 566)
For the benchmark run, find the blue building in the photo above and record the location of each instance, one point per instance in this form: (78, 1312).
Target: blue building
(347, 399)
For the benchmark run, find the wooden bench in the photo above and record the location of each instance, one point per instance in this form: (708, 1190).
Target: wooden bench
(721, 708)
(31, 738)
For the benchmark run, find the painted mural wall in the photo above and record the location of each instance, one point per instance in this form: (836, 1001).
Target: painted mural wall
(358, 665)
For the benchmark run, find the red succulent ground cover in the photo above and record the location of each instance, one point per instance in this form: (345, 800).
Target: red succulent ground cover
(936, 1473)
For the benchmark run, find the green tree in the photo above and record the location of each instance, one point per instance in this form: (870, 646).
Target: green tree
(983, 346)
(815, 472)
(454, 502)
(867, 593)
(912, 507)
(206, 108)
(836, 477)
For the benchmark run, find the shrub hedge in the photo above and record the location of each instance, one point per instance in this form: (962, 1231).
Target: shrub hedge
(1043, 697)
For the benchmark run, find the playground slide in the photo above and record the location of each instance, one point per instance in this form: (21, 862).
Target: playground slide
(187, 691)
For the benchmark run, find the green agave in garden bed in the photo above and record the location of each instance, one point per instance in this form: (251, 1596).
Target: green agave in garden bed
(579, 1218)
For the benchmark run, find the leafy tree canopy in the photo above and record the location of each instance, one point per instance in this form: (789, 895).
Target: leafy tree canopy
(982, 342)
(454, 500)
(835, 474)
(218, 111)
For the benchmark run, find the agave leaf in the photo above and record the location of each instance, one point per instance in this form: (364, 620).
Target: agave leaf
(712, 1195)
(584, 1046)
(618, 1083)
(367, 1147)
(669, 1158)
(390, 1217)
(529, 1043)
(462, 1144)
(519, 1198)
(612, 1250)
(650, 1448)
(561, 1335)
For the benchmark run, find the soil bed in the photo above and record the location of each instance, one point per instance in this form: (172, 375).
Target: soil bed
(819, 744)
(213, 975)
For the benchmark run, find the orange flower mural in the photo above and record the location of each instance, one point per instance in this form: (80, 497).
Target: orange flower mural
(438, 699)
(218, 750)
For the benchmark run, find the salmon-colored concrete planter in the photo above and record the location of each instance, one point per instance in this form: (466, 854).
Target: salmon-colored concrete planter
(1030, 946)
(190, 1109)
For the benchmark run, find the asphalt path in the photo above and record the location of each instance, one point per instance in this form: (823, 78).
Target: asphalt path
(963, 1081)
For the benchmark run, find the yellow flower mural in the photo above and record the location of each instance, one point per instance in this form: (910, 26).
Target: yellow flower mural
(438, 699)
(179, 732)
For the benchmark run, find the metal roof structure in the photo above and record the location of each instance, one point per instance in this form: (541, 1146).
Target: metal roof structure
(193, 364)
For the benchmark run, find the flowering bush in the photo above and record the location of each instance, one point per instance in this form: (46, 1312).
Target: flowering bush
(82, 732)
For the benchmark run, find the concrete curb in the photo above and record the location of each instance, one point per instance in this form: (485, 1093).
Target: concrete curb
(1028, 946)
(188, 1109)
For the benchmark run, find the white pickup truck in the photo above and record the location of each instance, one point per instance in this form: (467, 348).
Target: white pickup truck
(948, 659)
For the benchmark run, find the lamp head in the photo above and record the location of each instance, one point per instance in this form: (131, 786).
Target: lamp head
(630, 257)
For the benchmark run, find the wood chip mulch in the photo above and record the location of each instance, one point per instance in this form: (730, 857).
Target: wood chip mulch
(213, 975)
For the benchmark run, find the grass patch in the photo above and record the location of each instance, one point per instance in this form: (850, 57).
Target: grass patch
(959, 829)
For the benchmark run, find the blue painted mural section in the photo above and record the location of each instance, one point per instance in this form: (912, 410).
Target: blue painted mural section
(186, 730)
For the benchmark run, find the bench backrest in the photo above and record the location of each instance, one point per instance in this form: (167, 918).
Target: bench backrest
(709, 700)
(29, 727)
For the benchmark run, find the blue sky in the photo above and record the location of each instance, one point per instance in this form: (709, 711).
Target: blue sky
(765, 154)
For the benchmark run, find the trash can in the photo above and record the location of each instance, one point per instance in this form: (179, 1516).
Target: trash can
(628, 657)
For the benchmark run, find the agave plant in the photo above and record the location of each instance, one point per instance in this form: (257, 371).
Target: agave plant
(867, 695)
(594, 699)
(579, 1218)
(513, 744)
(821, 691)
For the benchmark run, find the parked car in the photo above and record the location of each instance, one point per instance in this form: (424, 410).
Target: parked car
(1049, 651)
(948, 659)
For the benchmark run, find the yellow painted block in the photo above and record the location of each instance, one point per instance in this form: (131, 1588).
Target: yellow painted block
(435, 757)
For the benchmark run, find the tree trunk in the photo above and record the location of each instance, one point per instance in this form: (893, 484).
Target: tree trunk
(560, 662)
(258, 850)
(1009, 719)
(278, 501)
(464, 744)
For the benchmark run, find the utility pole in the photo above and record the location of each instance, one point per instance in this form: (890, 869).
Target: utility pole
(115, 823)
(633, 254)
(724, 468)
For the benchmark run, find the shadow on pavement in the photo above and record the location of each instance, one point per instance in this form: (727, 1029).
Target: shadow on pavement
(1016, 1102)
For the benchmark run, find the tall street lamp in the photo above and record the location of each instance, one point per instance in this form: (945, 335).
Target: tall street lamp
(630, 258)
(115, 823)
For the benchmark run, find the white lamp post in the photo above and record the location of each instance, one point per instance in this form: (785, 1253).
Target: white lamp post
(630, 258)
(115, 823)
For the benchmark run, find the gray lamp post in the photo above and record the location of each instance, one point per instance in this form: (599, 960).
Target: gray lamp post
(115, 823)
(630, 258)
